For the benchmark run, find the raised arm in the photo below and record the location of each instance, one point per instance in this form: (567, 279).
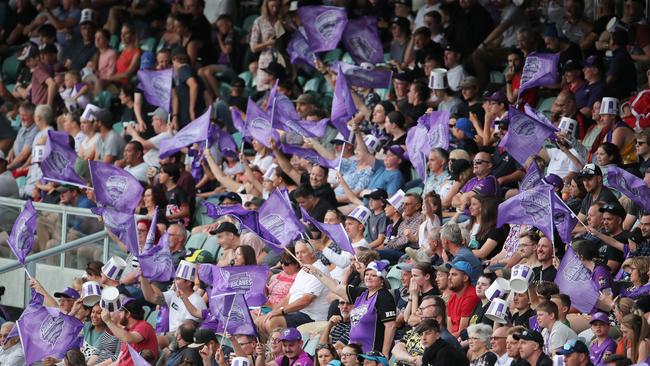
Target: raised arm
(337, 288)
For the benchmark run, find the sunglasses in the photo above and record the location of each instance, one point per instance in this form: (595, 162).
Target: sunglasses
(479, 161)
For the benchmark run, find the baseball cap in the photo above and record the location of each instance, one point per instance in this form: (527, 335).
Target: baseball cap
(377, 194)
(445, 267)
(465, 125)
(231, 196)
(306, 98)
(147, 60)
(290, 335)
(160, 113)
(573, 346)
(614, 209)
(599, 317)
(593, 61)
(404, 2)
(469, 82)
(401, 22)
(49, 48)
(275, 69)
(103, 115)
(227, 227)
(68, 293)
(404, 76)
(463, 267)
(87, 16)
(200, 256)
(572, 65)
(590, 170)
(498, 97)
(452, 47)
(373, 356)
(554, 180)
(395, 149)
(64, 188)
(201, 337)
(30, 50)
(405, 267)
(238, 83)
(530, 335)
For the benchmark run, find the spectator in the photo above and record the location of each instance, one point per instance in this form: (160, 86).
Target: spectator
(546, 271)
(555, 333)
(592, 178)
(109, 145)
(99, 344)
(463, 300)
(265, 32)
(42, 87)
(407, 233)
(523, 313)
(438, 352)
(187, 102)
(532, 348)
(621, 75)
(479, 338)
(8, 186)
(11, 351)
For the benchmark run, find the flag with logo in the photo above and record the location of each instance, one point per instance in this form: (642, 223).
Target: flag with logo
(115, 187)
(365, 77)
(361, 40)
(59, 160)
(437, 124)
(120, 224)
(298, 50)
(417, 146)
(195, 131)
(563, 219)
(336, 232)
(532, 207)
(343, 108)
(630, 185)
(259, 125)
(324, 26)
(156, 85)
(249, 281)
(23, 233)
(532, 178)
(237, 120)
(230, 310)
(249, 219)
(156, 262)
(574, 279)
(540, 69)
(525, 136)
(277, 216)
(312, 156)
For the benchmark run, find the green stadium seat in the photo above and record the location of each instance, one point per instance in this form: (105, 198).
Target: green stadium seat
(148, 44)
(331, 56)
(195, 241)
(103, 99)
(248, 23)
(545, 105)
(313, 85)
(212, 246)
(10, 68)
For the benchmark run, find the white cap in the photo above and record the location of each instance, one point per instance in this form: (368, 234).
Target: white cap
(397, 199)
(568, 125)
(114, 267)
(360, 213)
(438, 79)
(88, 15)
(609, 105)
(186, 270)
(270, 172)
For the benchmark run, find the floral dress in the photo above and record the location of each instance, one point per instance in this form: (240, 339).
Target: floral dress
(263, 31)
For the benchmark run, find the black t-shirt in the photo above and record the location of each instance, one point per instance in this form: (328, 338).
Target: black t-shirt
(478, 315)
(605, 195)
(488, 359)
(504, 164)
(544, 360)
(547, 274)
(522, 319)
(326, 193)
(320, 209)
(385, 307)
(609, 253)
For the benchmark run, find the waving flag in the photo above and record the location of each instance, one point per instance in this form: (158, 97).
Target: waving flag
(335, 232)
(418, 149)
(156, 85)
(525, 136)
(532, 178)
(630, 185)
(115, 187)
(365, 77)
(156, 262)
(277, 216)
(298, 50)
(532, 207)
(59, 160)
(196, 131)
(225, 141)
(563, 218)
(437, 123)
(151, 234)
(258, 125)
(574, 279)
(237, 120)
(136, 358)
(249, 281)
(540, 69)
(286, 118)
(343, 108)
(230, 310)
(120, 224)
(361, 40)
(324, 26)
(312, 156)
(47, 332)
(23, 233)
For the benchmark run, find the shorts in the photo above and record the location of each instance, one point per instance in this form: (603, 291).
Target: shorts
(296, 319)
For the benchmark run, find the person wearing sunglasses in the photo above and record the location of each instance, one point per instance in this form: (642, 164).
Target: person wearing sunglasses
(337, 331)
(483, 183)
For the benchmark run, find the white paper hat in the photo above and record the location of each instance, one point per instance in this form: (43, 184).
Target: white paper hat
(240, 361)
(568, 125)
(438, 79)
(614, 25)
(372, 143)
(39, 151)
(497, 311)
(89, 112)
(91, 293)
(269, 172)
(397, 199)
(609, 105)
(110, 299)
(498, 289)
(114, 268)
(520, 277)
(360, 213)
(186, 270)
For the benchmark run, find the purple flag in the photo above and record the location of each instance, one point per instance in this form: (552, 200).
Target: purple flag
(298, 50)
(273, 95)
(59, 160)
(46, 332)
(312, 156)
(532, 207)
(162, 320)
(324, 26)
(540, 69)
(532, 178)
(23, 232)
(136, 358)
(115, 187)
(151, 235)
(249, 281)
(156, 262)
(156, 85)
(343, 108)
(574, 280)
(438, 125)
(335, 232)
(563, 218)
(258, 125)
(365, 77)
(418, 149)
(231, 313)
(630, 185)
(237, 121)
(525, 136)
(225, 141)
(196, 131)
(277, 216)
(121, 224)
(361, 40)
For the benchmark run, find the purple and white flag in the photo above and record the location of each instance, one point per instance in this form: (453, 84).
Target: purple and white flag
(525, 136)
(120, 224)
(630, 185)
(156, 85)
(532, 178)
(540, 69)
(151, 234)
(417, 145)
(335, 232)
(277, 216)
(563, 219)
(286, 118)
(225, 141)
(532, 207)
(59, 160)
(156, 262)
(361, 40)
(237, 120)
(230, 310)
(343, 108)
(437, 123)
(370, 78)
(298, 50)
(258, 125)
(23, 233)
(47, 332)
(115, 187)
(311, 155)
(249, 281)
(574, 279)
(195, 131)
(136, 358)
(324, 26)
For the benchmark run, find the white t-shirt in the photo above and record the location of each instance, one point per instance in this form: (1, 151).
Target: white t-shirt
(308, 284)
(151, 156)
(78, 140)
(139, 171)
(263, 162)
(560, 164)
(177, 310)
(558, 336)
(454, 76)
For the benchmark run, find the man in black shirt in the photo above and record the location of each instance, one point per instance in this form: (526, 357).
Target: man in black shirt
(613, 216)
(545, 272)
(315, 206)
(521, 302)
(575, 353)
(531, 347)
(592, 178)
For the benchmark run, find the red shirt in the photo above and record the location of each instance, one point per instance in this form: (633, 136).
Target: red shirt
(149, 342)
(40, 74)
(529, 96)
(461, 307)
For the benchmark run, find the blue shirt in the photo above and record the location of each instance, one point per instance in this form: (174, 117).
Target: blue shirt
(389, 180)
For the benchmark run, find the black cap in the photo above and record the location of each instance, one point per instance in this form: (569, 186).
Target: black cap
(275, 69)
(49, 48)
(530, 335)
(201, 337)
(238, 82)
(227, 227)
(452, 47)
(643, 303)
(573, 346)
(404, 76)
(614, 209)
(377, 194)
(572, 65)
(231, 196)
(401, 22)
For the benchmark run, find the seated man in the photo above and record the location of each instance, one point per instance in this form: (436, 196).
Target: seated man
(291, 340)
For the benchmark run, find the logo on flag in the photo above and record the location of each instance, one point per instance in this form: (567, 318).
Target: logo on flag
(326, 23)
(115, 187)
(51, 329)
(58, 161)
(535, 205)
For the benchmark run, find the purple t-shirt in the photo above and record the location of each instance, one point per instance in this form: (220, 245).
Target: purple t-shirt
(302, 360)
(597, 353)
(601, 277)
(486, 186)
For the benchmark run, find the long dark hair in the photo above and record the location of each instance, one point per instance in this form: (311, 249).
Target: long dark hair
(249, 255)
(613, 152)
(487, 216)
(74, 357)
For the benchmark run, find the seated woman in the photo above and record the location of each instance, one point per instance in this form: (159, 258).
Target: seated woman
(486, 240)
